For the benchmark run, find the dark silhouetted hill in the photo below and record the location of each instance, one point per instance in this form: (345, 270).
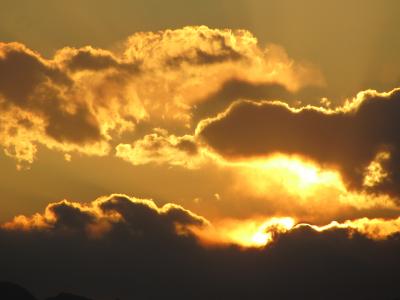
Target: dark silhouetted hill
(12, 291)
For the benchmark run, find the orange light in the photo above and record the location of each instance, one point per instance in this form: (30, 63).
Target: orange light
(254, 233)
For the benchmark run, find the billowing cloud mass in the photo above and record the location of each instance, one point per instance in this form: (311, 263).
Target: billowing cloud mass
(38, 105)
(83, 99)
(143, 217)
(118, 246)
(359, 139)
(98, 217)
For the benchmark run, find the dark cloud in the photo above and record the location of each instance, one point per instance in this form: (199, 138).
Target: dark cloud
(201, 57)
(36, 86)
(187, 145)
(90, 59)
(22, 72)
(146, 220)
(79, 127)
(236, 89)
(144, 256)
(233, 90)
(347, 139)
(69, 217)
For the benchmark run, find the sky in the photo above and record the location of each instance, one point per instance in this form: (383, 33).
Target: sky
(254, 142)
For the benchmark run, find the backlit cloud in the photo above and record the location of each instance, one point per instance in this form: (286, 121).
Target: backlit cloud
(143, 217)
(99, 216)
(127, 241)
(82, 99)
(359, 139)
(161, 148)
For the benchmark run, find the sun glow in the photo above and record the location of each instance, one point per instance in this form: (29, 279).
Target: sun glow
(254, 233)
(290, 185)
(258, 233)
(293, 171)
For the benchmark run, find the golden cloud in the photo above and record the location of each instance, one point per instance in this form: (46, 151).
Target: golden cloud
(161, 148)
(82, 99)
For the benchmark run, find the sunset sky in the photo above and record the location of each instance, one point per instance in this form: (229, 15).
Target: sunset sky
(201, 149)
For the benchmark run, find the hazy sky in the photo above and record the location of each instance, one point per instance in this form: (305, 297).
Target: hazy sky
(216, 128)
(354, 43)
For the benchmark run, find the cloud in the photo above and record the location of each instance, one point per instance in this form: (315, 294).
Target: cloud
(284, 185)
(348, 138)
(235, 89)
(119, 246)
(34, 85)
(161, 148)
(141, 216)
(36, 106)
(91, 59)
(83, 99)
